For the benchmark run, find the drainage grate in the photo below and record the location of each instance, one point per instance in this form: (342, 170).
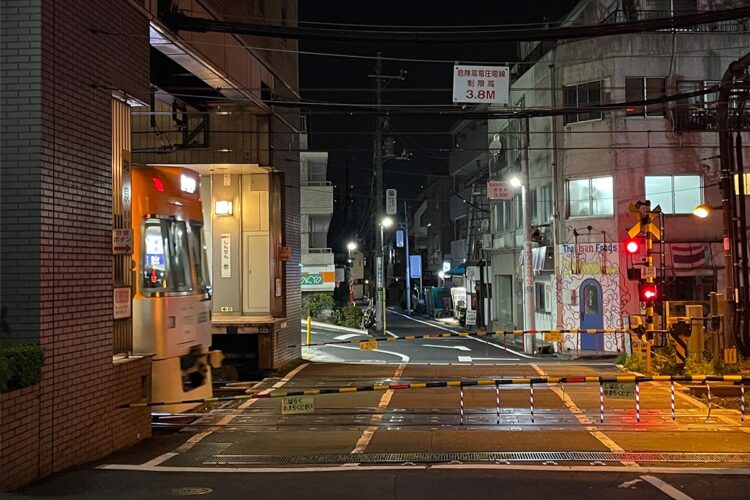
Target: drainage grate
(478, 457)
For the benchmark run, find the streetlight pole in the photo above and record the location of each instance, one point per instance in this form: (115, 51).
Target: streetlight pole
(529, 340)
(378, 160)
(408, 261)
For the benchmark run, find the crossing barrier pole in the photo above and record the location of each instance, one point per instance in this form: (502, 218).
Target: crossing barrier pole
(601, 402)
(742, 402)
(531, 400)
(461, 390)
(637, 401)
(708, 389)
(497, 401)
(671, 396)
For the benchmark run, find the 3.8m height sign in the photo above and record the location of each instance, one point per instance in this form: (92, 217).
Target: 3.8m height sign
(481, 84)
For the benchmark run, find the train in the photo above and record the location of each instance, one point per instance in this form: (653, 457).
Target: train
(172, 299)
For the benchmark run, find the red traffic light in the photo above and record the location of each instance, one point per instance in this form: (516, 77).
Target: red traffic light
(648, 292)
(633, 246)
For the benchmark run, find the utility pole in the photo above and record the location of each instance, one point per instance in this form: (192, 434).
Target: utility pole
(379, 194)
(408, 260)
(529, 340)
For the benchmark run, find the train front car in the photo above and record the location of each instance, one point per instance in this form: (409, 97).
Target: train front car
(171, 307)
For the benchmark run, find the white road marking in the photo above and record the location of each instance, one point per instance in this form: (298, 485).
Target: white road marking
(628, 484)
(385, 400)
(459, 347)
(225, 420)
(391, 334)
(403, 357)
(464, 359)
(363, 468)
(583, 419)
(472, 338)
(667, 489)
(348, 336)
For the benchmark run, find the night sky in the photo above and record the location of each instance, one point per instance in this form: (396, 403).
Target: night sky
(349, 138)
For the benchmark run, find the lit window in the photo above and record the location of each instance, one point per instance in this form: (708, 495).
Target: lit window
(591, 197)
(675, 194)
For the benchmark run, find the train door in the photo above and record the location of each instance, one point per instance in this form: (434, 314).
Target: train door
(592, 315)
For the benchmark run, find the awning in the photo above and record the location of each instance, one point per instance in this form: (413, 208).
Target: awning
(457, 271)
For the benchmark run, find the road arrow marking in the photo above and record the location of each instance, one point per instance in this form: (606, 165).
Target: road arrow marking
(459, 347)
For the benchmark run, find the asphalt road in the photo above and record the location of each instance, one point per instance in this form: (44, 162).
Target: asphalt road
(468, 350)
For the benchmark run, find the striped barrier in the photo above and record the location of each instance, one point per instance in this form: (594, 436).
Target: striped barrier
(637, 379)
(496, 333)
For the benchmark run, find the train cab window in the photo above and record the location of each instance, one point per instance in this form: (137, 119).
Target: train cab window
(155, 259)
(198, 250)
(166, 259)
(182, 280)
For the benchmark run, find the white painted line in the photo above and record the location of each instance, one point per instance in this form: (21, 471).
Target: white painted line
(403, 357)
(464, 359)
(385, 400)
(391, 334)
(363, 468)
(160, 459)
(628, 484)
(667, 489)
(496, 359)
(583, 419)
(348, 336)
(459, 347)
(472, 338)
(225, 420)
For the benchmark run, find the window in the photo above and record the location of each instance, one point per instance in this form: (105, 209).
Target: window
(518, 202)
(644, 88)
(533, 205)
(581, 96)
(198, 250)
(166, 259)
(542, 297)
(545, 203)
(591, 197)
(505, 297)
(675, 194)
(502, 216)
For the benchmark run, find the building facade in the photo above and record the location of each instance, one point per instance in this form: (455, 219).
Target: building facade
(587, 167)
(316, 207)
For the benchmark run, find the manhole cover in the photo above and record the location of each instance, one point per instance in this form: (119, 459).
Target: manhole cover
(189, 491)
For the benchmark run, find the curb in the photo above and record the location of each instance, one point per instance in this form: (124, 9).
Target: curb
(333, 327)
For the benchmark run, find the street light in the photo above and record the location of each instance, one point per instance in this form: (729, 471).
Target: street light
(704, 210)
(380, 317)
(351, 246)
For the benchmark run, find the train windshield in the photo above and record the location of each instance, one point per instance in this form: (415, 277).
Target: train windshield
(200, 263)
(166, 259)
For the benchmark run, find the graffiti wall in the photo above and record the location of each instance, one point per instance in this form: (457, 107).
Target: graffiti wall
(591, 295)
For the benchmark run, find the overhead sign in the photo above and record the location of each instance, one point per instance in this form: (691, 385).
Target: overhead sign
(226, 255)
(126, 189)
(390, 202)
(500, 190)
(400, 238)
(481, 84)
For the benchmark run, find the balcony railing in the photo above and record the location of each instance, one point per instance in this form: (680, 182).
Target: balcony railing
(707, 119)
(626, 15)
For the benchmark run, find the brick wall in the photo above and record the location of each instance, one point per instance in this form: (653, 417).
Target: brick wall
(19, 437)
(57, 223)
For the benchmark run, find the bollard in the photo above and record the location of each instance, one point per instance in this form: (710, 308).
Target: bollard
(461, 388)
(531, 400)
(671, 395)
(637, 401)
(309, 327)
(497, 401)
(601, 402)
(742, 402)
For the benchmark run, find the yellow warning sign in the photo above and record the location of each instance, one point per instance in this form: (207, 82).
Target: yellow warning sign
(730, 356)
(553, 337)
(297, 405)
(368, 345)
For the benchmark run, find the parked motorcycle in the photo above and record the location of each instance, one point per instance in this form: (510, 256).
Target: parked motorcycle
(461, 312)
(368, 316)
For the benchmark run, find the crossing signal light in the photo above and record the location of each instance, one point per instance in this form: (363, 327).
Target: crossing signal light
(633, 246)
(648, 292)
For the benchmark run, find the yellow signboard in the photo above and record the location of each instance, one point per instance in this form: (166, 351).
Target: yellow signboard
(619, 390)
(553, 337)
(730, 356)
(368, 345)
(297, 405)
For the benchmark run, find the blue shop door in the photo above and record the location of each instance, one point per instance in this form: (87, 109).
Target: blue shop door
(592, 315)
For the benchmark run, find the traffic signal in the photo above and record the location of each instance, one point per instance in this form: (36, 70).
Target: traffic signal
(648, 292)
(633, 246)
